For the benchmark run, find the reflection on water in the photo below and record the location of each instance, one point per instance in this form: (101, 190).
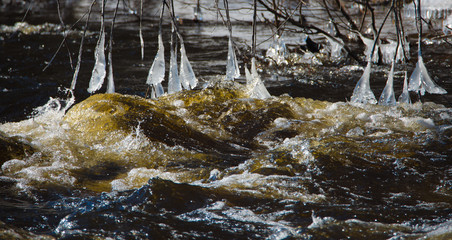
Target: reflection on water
(212, 163)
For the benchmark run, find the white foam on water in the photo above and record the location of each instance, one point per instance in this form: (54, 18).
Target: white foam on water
(139, 176)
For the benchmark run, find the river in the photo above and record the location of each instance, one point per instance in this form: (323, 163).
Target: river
(213, 163)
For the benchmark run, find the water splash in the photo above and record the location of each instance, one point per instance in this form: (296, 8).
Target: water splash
(387, 97)
(232, 67)
(420, 80)
(99, 70)
(187, 76)
(362, 92)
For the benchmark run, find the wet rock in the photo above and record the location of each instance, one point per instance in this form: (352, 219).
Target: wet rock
(11, 148)
(102, 115)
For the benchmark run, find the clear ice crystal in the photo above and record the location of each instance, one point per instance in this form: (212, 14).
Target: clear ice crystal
(277, 51)
(99, 70)
(157, 71)
(369, 43)
(111, 82)
(387, 97)
(336, 48)
(388, 50)
(174, 84)
(187, 76)
(255, 86)
(405, 96)
(232, 67)
(421, 81)
(362, 92)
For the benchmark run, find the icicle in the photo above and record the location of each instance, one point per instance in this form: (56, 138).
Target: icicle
(248, 77)
(256, 88)
(405, 96)
(140, 31)
(157, 71)
(362, 92)
(99, 72)
(387, 97)
(421, 81)
(173, 81)
(187, 76)
(232, 67)
(111, 83)
(159, 90)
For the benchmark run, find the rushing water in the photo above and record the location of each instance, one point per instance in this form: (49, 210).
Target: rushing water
(212, 163)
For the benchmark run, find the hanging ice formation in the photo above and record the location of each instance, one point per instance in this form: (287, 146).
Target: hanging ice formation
(369, 45)
(421, 81)
(362, 92)
(277, 51)
(232, 67)
(99, 70)
(255, 86)
(187, 76)
(405, 96)
(388, 50)
(387, 97)
(336, 48)
(111, 83)
(157, 71)
(173, 79)
(174, 84)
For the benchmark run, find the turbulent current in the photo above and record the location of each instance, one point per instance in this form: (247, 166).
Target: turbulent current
(216, 164)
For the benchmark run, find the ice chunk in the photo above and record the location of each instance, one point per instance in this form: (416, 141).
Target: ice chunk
(336, 48)
(187, 76)
(277, 51)
(173, 80)
(111, 82)
(157, 70)
(405, 96)
(369, 43)
(362, 92)
(232, 67)
(99, 70)
(421, 81)
(387, 97)
(388, 50)
(255, 86)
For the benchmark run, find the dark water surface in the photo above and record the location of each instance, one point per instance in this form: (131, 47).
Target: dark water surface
(212, 163)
